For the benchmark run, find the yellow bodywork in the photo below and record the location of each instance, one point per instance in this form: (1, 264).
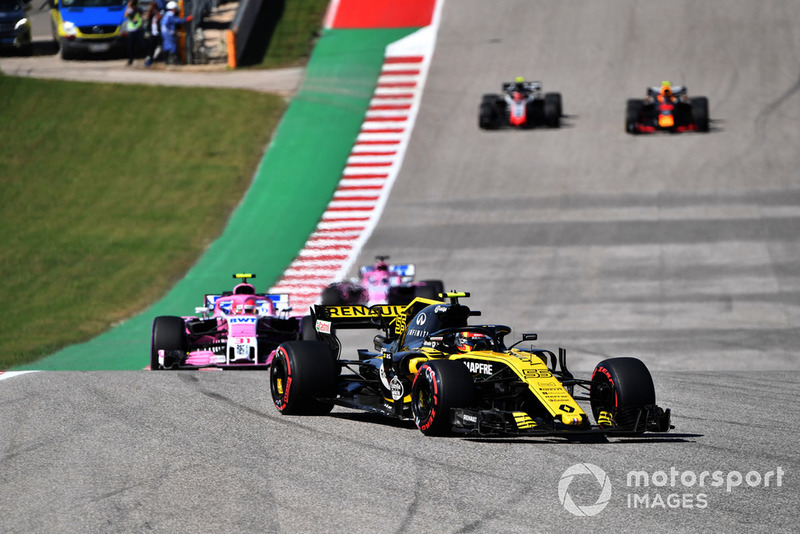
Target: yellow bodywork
(545, 387)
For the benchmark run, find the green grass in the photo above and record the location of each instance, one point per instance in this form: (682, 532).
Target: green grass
(109, 195)
(294, 36)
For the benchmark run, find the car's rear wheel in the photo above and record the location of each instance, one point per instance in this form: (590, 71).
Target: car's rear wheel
(332, 296)
(620, 388)
(169, 334)
(633, 115)
(440, 386)
(700, 113)
(430, 289)
(302, 373)
(552, 109)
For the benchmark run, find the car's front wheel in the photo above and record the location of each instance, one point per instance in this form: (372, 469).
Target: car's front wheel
(169, 334)
(620, 389)
(633, 115)
(440, 386)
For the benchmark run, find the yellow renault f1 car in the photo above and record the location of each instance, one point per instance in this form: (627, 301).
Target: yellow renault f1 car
(431, 365)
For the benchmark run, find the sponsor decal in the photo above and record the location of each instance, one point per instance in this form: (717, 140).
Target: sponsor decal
(348, 311)
(481, 368)
(421, 319)
(242, 320)
(338, 312)
(323, 327)
(398, 392)
(416, 332)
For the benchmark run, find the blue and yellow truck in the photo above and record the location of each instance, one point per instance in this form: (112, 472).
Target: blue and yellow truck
(83, 27)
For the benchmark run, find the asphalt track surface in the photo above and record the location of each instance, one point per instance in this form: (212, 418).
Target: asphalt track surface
(681, 250)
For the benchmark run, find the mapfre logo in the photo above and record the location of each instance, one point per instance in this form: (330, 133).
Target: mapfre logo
(596, 478)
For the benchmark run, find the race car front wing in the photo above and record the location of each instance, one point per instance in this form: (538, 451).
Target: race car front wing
(497, 422)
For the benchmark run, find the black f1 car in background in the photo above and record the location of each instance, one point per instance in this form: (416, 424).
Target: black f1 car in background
(431, 366)
(521, 105)
(667, 108)
(237, 329)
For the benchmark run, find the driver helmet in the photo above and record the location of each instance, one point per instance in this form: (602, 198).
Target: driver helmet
(469, 341)
(245, 307)
(666, 90)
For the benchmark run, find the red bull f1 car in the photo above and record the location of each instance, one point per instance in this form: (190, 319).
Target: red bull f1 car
(430, 366)
(237, 329)
(521, 105)
(667, 109)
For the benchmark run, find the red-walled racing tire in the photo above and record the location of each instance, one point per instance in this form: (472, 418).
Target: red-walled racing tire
(301, 373)
(439, 386)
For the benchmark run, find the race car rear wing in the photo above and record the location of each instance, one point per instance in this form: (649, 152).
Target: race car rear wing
(527, 86)
(280, 301)
(404, 270)
(387, 317)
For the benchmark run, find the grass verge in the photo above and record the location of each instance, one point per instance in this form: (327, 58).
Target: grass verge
(110, 193)
(295, 33)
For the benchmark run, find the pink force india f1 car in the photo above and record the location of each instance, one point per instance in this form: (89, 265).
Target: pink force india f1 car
(237, 329)
(381, 283)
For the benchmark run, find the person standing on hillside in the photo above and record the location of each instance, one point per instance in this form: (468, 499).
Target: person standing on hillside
(152, 21)
(134, 24)
(169, 31)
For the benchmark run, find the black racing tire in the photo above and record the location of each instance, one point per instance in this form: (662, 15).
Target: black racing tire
(439, 386)
(552, 110)
(332, 296)
(700, 113)
(169, 333)
(488, 113)
(535, 113)
(621, 386)
(633, 115)
(302, 372)
(308, 328)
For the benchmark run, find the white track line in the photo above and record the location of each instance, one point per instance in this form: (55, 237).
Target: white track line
(369, 173)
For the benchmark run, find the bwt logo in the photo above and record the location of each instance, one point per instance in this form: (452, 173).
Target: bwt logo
(599, 478)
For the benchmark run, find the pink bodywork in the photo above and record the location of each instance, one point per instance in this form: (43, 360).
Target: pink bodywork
(241, 327)
(378, 283)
